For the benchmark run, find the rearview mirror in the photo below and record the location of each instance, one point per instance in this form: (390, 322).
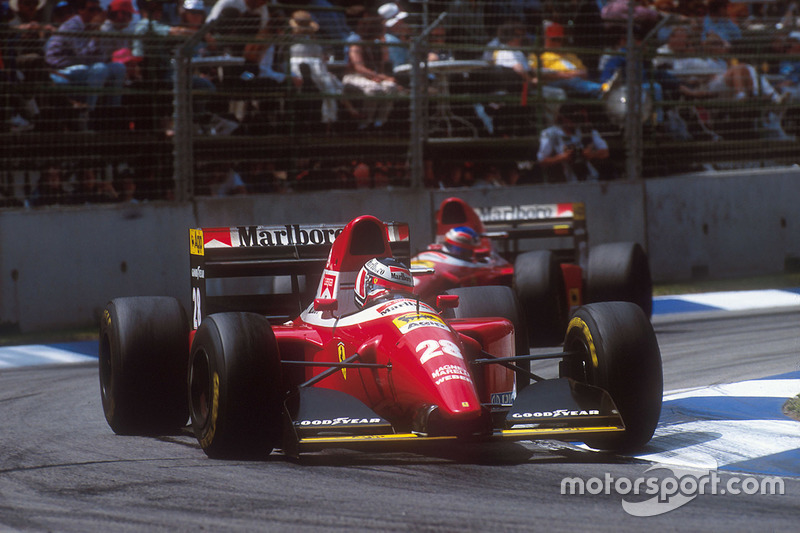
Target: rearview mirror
(447, 301)
(326, 304)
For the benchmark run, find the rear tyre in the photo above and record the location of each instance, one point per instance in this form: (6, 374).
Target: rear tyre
(144, 350)
(493, 300)
(619, 353)
(539, 285)
(234, 386)
(620, 271)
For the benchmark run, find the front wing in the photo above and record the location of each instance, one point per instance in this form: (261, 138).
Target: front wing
(558, 409)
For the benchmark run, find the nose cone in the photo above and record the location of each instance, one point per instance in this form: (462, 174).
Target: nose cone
(456, 391)
(434, 421)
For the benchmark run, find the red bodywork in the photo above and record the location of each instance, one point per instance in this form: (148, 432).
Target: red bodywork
(424, 361)
(488, 267)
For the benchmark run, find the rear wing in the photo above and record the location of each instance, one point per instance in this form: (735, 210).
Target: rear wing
(259, 254)
(510, 226)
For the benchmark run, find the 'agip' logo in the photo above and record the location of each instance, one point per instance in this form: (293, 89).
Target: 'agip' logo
(196, 241)
(410, 321)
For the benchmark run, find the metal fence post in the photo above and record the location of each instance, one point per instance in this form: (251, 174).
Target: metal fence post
(417, 127)
(182, 141)
(419, 103)
(633, 117)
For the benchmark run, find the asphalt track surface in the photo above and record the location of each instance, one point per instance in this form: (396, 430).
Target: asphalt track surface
(63, 469)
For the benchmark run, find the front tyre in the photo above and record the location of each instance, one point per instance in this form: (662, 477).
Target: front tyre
(144, 347)
(235, 386)
(618, 353)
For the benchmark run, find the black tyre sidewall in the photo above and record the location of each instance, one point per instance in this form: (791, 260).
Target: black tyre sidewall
(539, 286)
(144, 347)
(494, 301)
(620, 271)
(240, 349)
(628, 367)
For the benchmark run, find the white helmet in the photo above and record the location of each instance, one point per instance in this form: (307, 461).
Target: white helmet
(380, 277)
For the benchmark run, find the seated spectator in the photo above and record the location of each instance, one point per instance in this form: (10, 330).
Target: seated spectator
(222, 180)
(570, 151)
(367, 73)
(512, 74)
(724, 79)
(304, 52)
(509, 54)
(23, 59)
(157, 72)
(151, 45)
(397, 33)
(676, 49)
(438, 45)
(585, 31)
(50, 189)
(89, 188)
(250, 18)
(563, 70)
(789, 66)
(488, 176)
(738, 81)
(719, 22)
(265, 55)
(120, 15)
(80, 60)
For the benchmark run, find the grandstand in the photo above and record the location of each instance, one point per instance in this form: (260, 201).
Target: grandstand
(223, 103)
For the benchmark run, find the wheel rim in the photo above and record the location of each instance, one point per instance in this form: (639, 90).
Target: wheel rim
(580, 366)
(200, 388)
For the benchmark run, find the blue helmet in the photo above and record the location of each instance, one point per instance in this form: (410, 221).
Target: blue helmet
(461, 242)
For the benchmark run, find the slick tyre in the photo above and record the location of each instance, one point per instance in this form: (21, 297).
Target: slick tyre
(539, 285)
(620, 271)
(493, 300)
(235, 386)
(143, 356)
(618, 353)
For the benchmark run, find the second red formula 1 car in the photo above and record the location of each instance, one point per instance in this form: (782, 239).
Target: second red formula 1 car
(486, 247)
(365, 362)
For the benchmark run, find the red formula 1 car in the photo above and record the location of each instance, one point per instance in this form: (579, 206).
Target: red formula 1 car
(365, 362)
(548, 282)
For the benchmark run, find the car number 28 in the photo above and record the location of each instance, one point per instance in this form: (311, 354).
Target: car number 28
(434, 348)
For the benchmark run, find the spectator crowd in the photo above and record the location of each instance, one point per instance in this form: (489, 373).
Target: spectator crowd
(77, 67)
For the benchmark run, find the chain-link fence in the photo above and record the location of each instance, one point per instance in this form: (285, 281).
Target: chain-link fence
(165, 101)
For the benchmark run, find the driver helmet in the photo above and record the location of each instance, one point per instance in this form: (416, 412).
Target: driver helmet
(381, 277)
(461, 242)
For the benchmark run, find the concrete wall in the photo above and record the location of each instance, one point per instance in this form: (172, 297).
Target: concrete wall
(722, 226)
(58, 266)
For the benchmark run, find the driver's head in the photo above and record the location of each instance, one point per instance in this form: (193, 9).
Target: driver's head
(461, 242)
(381, 277)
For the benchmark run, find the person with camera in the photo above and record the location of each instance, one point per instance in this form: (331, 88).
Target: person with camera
(572, 151)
